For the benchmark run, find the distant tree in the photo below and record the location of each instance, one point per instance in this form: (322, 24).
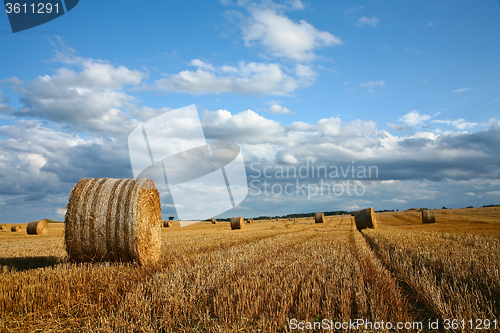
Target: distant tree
(171, 218)
(444, 207)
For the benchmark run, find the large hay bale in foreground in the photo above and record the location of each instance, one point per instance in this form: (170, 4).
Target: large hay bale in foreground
(428, 216)
(319, 218)
(237, 223)
(16, 228)
(113, 220)
(365, 218)
(37, 227)
(167, 224)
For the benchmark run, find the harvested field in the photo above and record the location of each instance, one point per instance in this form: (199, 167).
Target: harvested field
(213, 279)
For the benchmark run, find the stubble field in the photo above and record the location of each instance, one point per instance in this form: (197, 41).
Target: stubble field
(267, 277)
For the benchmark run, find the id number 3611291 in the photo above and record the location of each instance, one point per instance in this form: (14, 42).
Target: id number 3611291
(38, 8)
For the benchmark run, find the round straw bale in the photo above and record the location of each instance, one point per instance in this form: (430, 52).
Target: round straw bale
(237, 223)
(249, 221)
(428, 216)
(37, 227)
(16, 228)
(365, 218)
(319, 218)
(214, 221)
(113, 220)
(4, 227)
(167, 223)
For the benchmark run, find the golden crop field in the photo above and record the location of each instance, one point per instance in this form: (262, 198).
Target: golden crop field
(267, 277)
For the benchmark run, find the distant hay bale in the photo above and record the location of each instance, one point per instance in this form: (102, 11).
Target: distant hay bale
(214, 221)
(4, 227)
(365, 218)
(428, 216)
(319, 218)
(37, 227)
(167, 224)
(16, 228)
(237, 223)
(249, 221)
(353, 213)
(113, 220)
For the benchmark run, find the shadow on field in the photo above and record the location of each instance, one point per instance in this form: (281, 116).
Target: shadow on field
(25, 263)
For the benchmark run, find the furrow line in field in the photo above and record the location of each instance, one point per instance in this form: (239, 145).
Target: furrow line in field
(420, 306)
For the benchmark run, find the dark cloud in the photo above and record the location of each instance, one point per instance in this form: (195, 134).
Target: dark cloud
(415, 143)
(488, 140)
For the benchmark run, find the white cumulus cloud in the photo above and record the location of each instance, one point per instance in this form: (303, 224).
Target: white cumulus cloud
(246, 79)
(459, 123)
(414, 118)
(373, 83)
(12, 80)
(278, 109)
(283, 37)
(461, 90)
(3, 99)
(305, 71)
(368, 21)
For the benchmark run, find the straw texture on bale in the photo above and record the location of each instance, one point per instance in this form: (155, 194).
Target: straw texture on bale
(4, 227)
(319, 218)
(365, 218)
(37, 227)
(428, 216)
(113, 220)
(167, 223)
(15, 228)
(237, 223)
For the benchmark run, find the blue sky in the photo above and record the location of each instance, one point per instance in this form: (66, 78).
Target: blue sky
(409, 87)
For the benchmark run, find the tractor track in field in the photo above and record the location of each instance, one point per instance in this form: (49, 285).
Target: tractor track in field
(418, 307)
